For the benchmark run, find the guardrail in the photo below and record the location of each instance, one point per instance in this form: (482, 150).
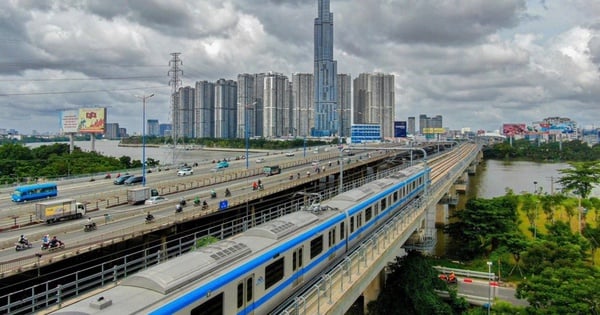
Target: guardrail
(467, 273)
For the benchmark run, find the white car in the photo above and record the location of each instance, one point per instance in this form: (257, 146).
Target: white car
(155, 199)
(289, 154)
(315, 163)
(260, 160)
(185, 171)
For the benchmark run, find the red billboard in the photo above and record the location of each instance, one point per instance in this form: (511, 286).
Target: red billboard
(510, 130)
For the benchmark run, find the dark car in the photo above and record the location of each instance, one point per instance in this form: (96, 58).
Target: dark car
(121, 180)
(134, 180)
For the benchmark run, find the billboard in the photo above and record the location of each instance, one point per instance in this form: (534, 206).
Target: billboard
(433, 130)
(514, 129)
(92, 120)
(69, 121)
(400, 129)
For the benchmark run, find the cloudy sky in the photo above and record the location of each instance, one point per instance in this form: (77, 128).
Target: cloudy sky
(478, 63)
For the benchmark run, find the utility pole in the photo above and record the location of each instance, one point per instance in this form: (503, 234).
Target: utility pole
(175, 72)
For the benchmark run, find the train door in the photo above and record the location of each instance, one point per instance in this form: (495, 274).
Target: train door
(297, 266)
(245, 295)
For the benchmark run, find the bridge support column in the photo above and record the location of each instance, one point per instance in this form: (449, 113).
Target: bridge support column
(373, 289)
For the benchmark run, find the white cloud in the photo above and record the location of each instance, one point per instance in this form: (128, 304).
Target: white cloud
(478, 63)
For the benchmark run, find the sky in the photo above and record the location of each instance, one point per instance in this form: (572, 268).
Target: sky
(478, 63)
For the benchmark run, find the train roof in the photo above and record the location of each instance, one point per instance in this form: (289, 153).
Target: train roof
(283, 226)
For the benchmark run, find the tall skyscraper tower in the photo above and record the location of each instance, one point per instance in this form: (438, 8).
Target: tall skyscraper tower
(325, 75)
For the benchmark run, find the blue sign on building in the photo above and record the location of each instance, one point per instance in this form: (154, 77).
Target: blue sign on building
(365, 133)
(400, 129)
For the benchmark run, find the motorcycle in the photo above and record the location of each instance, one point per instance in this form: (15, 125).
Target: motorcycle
(21, 246)
(182, 202)
(149, 218)
(213, 194)
(197, 202)
(50, 246)
(178, 208)
(227, 193)
(90, 227)
(204, 205)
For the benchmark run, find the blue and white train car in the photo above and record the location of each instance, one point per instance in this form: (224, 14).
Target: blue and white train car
(255, 271)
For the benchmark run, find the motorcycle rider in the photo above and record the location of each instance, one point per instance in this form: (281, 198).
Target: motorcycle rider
(182, 201)
(213, 193)
(55, 242)
(204, 204)
(227, 192)
(23, 240)
(196, 201)
(178, 208)
(46, 239)
(149, 217)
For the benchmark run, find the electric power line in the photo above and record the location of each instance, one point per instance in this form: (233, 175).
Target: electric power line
(78, 92)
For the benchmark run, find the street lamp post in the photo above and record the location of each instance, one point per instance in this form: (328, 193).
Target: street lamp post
(247, 133)
(489, 306)
(144, 98)
(536, 210)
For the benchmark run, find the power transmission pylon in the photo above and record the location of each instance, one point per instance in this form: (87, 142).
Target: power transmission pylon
(175, 72)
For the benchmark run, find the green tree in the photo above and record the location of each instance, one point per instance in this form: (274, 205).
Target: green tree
(482, 225)
(580, 178)
(564, 290)
(410, 289)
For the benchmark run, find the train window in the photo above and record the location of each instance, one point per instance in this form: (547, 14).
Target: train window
(395, 196)
(213, 306)
(342, 230)
(376, 206)
(331, 237)
(351, 224)
(300, 257)
(249, 287)
(294, 259)
(316, 246)
(383, 204)
(359, 220)
(368, 214)
(240, 295)
(273, 273)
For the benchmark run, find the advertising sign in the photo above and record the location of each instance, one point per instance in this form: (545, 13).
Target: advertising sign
(433, 130)
(514, 129)
(400, 129)
(92, 120)
(69, 121)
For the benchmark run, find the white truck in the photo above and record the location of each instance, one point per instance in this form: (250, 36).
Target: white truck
(138, 195)
(58, 210)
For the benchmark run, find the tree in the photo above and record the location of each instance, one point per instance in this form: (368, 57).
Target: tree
(482, 225)
(410, 289)
(565, 290)
(580, 179)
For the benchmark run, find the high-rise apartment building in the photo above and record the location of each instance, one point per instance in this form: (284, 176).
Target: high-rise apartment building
(429, 122)
(112, 131)
(276, 98)
(183, 116)
(303, 96)
(411, 127)
(344, 103)
(325, 74)
(374, 101)
(204, 110)
(152, 125)
(225, 109)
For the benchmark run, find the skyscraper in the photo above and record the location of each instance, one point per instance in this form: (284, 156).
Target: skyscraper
(374, 101)
(325, 75)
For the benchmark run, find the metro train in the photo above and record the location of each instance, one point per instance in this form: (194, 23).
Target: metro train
(255, 271)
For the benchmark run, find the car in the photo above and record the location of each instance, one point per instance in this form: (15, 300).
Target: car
(155, 199)
(121, 179)
(315, 163)
(134, 180)
(289, 154)
(185, 171)
(260, 160)
(222, 164)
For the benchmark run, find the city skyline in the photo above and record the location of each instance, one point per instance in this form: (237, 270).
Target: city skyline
(478, 64)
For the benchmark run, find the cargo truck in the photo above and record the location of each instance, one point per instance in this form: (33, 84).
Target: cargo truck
(58, 210)
(136, 196)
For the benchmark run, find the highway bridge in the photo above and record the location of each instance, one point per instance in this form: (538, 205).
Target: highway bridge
(163, 238)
